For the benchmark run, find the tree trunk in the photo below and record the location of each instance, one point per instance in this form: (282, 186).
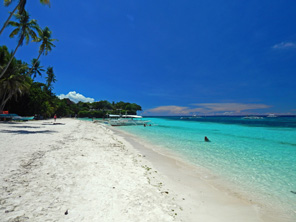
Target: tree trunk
(11, 14)
(19, 43)
(4, 101)
(34, 63)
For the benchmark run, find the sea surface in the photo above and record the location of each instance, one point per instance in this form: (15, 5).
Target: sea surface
(257, 156)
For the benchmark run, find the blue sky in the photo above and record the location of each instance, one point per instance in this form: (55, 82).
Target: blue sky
(172, 57)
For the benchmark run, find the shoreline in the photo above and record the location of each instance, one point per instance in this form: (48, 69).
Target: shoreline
(83, 171)
(201, 176)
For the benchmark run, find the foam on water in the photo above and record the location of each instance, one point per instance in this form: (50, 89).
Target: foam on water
(257, 156)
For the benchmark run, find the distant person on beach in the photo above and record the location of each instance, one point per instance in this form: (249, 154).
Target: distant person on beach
(206, 139)
(55, 117)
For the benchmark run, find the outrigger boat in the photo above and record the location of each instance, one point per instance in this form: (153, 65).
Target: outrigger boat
(13, 116)
(126, 120)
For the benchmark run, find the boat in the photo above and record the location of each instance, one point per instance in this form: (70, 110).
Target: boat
(191, 117)
(23, 118)
(126, 120)
(194, 117)
(271, 115)
(253, 117)
(13, 116)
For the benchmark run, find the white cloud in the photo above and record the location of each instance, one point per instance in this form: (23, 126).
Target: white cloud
(206, 108)
(76, 97)
(230, 107)
(284, 45)
(169, 110)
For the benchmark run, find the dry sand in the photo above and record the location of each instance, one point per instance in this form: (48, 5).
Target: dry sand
(84, 171)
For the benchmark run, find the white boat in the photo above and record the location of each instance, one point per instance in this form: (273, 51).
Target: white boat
(271, 115)
(127, 120)
(253, 117)
(191, 117)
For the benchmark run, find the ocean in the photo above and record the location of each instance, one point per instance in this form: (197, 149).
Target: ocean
(256, 156)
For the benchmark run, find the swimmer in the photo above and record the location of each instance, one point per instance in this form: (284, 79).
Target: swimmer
(206, 139)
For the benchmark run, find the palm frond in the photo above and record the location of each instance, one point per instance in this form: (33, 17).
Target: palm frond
(27, 38)
(37, 40)
(14, 32)
(13, 23)
(7, 2)
(32, 34)
(18, 16)
(33, 22)
(45, 2)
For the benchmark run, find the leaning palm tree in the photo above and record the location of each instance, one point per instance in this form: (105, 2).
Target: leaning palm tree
(46, 45)
(13, 86)
(14, 82)
(21, 7)
(25, 28)
(50, 77)
(36, 69)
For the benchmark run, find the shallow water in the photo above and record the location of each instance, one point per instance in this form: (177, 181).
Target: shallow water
(257, 156)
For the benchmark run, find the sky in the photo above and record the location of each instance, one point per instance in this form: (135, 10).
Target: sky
(172, 57)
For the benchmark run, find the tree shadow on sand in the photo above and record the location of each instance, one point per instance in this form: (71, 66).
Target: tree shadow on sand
(53, 124)
(27, 132)
(31, 127)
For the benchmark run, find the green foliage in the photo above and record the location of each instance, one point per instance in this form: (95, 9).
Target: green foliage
(90, 114)
(21, 95)
(102, 108)
(46, 40)
(51, 78)
(36, 69)
(102, 105)
(36, 101)
(25, 29)
(14, 82)
(64, 108)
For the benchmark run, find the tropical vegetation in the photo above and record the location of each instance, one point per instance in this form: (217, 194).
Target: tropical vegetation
(20, 7)
(25, 29)
(21, 94)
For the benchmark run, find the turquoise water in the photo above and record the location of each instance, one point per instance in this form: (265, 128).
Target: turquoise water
(257, 156)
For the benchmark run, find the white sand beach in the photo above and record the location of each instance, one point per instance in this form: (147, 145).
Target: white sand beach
(83, 171)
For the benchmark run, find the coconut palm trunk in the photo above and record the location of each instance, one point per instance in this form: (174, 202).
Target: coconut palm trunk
(25, 28)
(5, 99)
(46, 45)
(21, 7)
(6, 23)
(18, 45)
(11, 14)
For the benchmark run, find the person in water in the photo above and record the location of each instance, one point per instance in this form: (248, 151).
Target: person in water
(206, 139)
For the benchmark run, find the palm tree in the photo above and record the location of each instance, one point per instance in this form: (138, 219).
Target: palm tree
(50, 77)
(14, 82)
(36, 68)
(21, 7)
(14, 85)
(25, 29)
(46, 45)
